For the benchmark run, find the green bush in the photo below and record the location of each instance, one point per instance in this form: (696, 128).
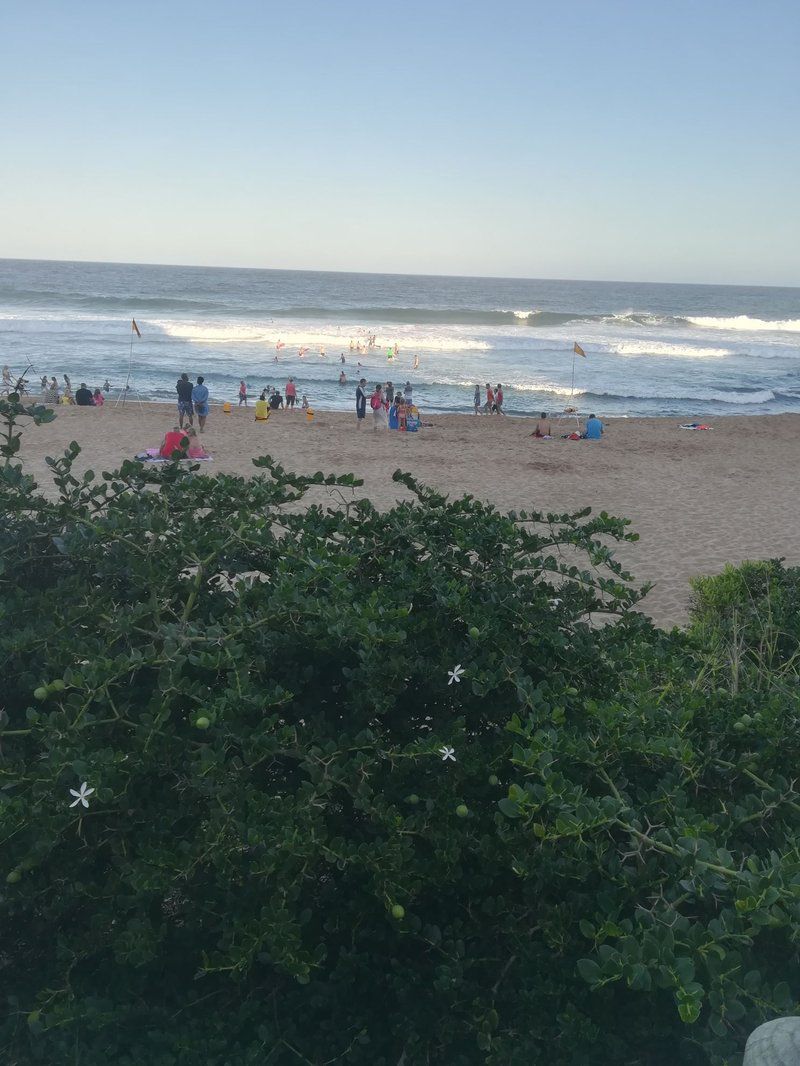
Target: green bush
(747, 619)
(283, 861)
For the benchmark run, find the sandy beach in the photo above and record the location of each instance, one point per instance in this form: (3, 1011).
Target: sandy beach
(697, 499)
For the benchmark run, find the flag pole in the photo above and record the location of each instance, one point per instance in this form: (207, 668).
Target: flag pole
(120, 401)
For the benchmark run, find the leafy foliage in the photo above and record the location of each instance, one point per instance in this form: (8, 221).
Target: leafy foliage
(278, 865)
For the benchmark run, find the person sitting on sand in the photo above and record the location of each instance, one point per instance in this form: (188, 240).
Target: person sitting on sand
(304, 404)
(543, 428)
(275, 401)
(97, 398)
(195, 449)
(262, 407)
(83, 397)
(594, 428)
(174, 444)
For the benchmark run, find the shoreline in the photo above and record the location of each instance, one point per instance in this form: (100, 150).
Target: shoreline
(698, 500)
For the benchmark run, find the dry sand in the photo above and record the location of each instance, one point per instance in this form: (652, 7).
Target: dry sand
(698, 500)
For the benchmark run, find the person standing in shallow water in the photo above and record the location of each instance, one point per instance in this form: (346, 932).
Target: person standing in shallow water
(476, 400)
(361, 402)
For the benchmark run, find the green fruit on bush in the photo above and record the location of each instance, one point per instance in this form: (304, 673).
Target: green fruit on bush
(13, 877)
(58, 685)
(398, 911)
(571, 691)
(494, 779)
(40, 693)
(413, 798)
(202, 723)
(474, 632)
(739, 727)
(462, 810)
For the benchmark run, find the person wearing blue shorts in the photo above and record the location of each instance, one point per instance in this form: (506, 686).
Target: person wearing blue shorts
(185, 409)
(200, 401)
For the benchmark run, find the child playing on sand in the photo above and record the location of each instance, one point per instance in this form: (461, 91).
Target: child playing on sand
(305, 402)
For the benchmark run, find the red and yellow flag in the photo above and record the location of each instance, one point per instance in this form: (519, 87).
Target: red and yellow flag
(135, 328)
(576, 348)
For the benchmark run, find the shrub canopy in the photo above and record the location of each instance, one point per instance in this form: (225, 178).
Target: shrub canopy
(372, 788)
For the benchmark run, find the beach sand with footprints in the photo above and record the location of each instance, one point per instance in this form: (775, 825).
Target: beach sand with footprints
(698, 500)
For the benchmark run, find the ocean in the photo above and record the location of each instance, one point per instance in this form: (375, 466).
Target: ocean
(651, 349)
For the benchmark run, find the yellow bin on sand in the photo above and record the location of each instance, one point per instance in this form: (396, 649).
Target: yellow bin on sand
(226, 407)
(309, 415)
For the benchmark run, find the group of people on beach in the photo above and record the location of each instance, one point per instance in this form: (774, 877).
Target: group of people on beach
(493, 405)
(391, 408)
(53, 392)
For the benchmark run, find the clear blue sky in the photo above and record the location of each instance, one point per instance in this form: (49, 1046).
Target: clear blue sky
(643, 140)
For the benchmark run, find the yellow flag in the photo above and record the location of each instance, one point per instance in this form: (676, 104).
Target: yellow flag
(578, 350)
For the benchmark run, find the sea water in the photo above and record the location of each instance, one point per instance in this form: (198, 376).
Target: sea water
(651, 349)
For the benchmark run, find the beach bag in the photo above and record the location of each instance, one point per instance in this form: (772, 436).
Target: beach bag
(375, 402)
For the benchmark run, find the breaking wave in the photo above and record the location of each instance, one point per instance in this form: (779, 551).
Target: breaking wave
(746, 323)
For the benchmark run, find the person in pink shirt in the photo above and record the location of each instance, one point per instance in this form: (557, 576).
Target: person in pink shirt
(195, 449)
(291, 392)
(98, 398)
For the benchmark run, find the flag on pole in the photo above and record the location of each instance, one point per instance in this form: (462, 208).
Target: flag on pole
(578, 350)
(135, 328)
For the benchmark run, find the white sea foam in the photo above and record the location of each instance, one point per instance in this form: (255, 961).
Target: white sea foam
(294, 335)
(746, 323)
(685, 351)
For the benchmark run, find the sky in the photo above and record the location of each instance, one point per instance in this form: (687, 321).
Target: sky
(652, 141)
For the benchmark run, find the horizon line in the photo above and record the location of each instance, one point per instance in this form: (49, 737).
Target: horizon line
(392, 274)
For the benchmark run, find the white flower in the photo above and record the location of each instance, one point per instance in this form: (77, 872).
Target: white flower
(455, 674)
(82, 796)
(447, 753)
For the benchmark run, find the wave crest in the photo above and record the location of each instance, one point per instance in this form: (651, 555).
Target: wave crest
(747, 324)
